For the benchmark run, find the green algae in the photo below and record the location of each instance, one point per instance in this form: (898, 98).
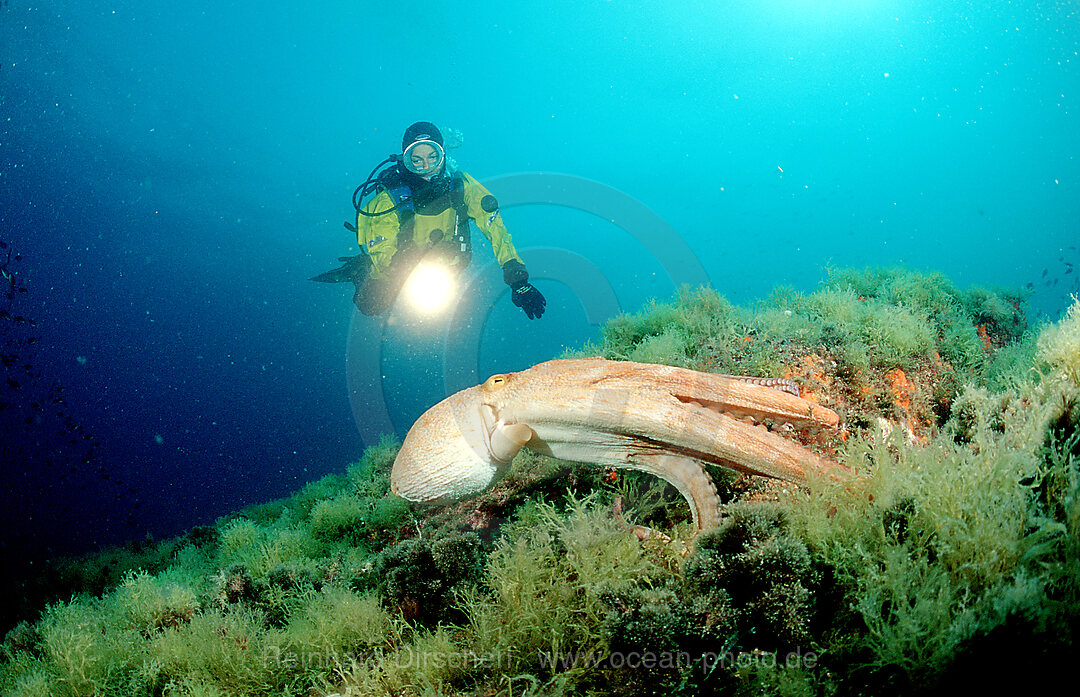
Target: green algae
(953, 551)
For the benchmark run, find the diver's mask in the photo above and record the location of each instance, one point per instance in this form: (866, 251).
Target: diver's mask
(423, 157)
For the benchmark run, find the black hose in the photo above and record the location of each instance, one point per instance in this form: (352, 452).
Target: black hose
(371, 182)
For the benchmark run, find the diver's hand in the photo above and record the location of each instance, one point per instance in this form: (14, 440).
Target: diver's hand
(529, 299)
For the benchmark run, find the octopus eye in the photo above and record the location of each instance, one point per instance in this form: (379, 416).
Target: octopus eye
(495, 381)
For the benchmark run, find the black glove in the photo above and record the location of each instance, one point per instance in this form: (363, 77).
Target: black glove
(529, 299)
(514, 273)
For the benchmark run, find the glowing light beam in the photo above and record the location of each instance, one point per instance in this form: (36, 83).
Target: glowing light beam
(429, 288)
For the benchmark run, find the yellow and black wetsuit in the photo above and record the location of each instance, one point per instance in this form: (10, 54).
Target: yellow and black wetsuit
(428, 221)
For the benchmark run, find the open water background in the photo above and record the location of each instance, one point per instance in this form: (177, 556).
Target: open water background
(172, 173)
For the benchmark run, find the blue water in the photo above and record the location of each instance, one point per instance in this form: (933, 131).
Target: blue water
(172, 173)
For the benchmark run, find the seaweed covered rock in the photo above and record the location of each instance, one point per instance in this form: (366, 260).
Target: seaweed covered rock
(235, 584)
(953, 560)
(888, 348)
(152, 604)
(765, 570)
(360, 509)
(667, 619)
(354, 519)
(420, 576)
(656, 635)
(23, 637)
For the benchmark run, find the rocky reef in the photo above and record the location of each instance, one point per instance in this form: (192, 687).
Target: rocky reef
(952, 560)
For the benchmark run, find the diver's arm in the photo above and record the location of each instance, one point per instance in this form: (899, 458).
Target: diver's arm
(523, 293)
(377, 294)
(374, 297)
(377, 234)
(489, 223)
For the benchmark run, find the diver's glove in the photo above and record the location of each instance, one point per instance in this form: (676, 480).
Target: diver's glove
(514, 273)
(529, 299)
(524, 294)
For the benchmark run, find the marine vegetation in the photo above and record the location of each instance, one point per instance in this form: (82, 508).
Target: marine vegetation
(950, 562)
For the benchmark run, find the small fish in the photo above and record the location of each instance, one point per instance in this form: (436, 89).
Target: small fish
(1045, 271)
(1029, 286)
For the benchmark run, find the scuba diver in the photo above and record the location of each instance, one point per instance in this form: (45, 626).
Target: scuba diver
(420, 213)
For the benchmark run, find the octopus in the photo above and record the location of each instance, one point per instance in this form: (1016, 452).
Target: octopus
(670, 422)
